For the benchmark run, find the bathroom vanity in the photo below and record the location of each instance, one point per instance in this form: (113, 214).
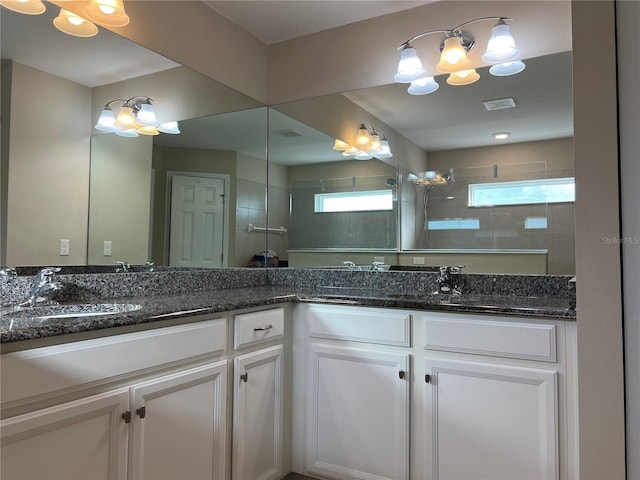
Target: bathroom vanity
(264, 379)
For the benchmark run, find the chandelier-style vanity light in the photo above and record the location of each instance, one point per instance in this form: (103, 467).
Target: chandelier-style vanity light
(368, 143)
(136, 117)
(501, 53)
(109, 13)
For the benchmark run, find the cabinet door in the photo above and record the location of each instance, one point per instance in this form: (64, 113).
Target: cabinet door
(486, 421)
(257, 415)
(82, 439)
(358, 413)
(179, 425)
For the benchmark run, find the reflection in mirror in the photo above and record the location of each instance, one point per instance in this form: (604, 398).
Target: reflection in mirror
(440, 224)
(107, 194)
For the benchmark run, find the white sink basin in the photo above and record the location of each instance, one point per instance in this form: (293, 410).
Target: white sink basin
(76, 310)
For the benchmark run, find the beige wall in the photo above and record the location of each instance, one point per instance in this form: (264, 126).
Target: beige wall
(482, 262)
(120, 199)
(48, 162)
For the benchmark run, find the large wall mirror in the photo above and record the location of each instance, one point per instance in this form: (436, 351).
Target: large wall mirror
(500, 205)
(185, 199)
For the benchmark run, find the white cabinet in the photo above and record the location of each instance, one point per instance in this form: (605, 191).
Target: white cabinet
(178, 425)
(356, 412)
(163, 412)
(258, 415)
(78, 440)
(486, 421)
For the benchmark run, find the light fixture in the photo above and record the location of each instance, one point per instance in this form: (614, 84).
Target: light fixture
(109, 13)
(501, 135)
(501, 52)
(368, 143)
(72, 24)
(136, 117)
(28, 7)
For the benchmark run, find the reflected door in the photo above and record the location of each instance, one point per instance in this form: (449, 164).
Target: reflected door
(197, 221)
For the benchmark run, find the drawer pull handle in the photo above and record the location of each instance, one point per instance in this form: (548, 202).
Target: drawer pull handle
(262, 329)
(244, 377)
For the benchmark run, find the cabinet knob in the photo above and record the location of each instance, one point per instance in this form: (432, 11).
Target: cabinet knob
(244, 377)
(402, 374)
(142, 412)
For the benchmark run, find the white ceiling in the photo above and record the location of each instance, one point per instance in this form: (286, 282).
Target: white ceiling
(276, 21)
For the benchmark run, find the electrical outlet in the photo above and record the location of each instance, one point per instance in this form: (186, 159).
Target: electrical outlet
(65, 246)
(418, 260)
(106, 249)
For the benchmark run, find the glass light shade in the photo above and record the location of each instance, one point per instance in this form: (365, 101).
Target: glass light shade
(385, 150)
(28, 7)
(409, 67)
(146, 116)
(375, 143)
(506, 69)
(349, 152)
(363, 156)
(107, 121)
(169, 127)
(107, 12)
(72, 24)
(340, 146)
(453, 57)
(501, 47)
(363, 139)
(130, 133)
(126, 118)
(147, 130)
(465, 77)
(423, 86)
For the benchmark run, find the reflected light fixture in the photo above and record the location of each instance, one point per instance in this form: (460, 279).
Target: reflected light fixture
(501, 52)
(72, 24)
(28, 7)
(368, 143)
(136, 117)
(109, 13)
(501, 135)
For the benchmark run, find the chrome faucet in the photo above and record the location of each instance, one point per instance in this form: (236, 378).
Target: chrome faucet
(8, 272)
(447, 281)
(124, 267)
(44, 284)
(377, 266)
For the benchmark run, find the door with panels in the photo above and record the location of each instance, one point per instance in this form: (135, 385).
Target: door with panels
(357, 407)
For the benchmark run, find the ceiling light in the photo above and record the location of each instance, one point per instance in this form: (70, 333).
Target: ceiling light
(501, 50)
(136, 117)
(368, 143)
(506, 69)
(423, 86)
(72, 24)
(107, 12)
(28, 7)
(501, 135)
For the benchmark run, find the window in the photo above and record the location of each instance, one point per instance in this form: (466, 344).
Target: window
(364, 201)
(454, 224)
(522, 192)
(535, 223)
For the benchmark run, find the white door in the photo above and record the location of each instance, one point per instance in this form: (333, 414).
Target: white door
(257, 415)
(358, 413)
(486, 421)
(179, 425)
(83, 439)
(197, 221)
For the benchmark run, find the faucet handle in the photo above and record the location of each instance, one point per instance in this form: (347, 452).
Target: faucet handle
(8, 272)
(457, 268)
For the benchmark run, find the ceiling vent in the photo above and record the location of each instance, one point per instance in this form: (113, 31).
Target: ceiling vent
(500, 104)
(287, 133)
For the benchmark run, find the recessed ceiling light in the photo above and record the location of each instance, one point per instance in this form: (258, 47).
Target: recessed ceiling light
(501, 135)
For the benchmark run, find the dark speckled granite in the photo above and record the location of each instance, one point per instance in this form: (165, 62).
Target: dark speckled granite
(177, 294)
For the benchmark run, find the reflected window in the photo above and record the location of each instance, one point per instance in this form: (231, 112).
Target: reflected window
(532, 223)
(363, 201)
(522, 192)
(454, 224)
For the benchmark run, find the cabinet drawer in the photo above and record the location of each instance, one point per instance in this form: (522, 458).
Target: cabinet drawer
(370, 325)
(256, 327)
(496, 338)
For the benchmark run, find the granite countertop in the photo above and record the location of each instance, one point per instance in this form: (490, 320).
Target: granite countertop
(183, 305)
